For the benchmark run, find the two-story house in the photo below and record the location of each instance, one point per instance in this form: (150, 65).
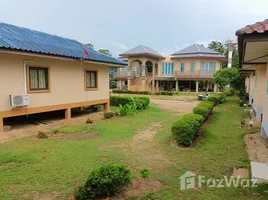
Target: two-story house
(183, 70)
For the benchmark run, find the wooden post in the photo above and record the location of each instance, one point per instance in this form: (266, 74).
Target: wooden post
(68, 113)
(1, 125)
(107, 106)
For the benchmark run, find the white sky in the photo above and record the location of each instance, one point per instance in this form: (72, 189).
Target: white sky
(119, 25)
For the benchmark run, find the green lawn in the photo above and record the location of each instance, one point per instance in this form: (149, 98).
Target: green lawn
(29, 166)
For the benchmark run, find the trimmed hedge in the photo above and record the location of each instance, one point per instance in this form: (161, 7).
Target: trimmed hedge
(186, 128)
(217, 98)
(201, 110)
(106, 181)
(130, 92)
(141, 102)
(169, 93)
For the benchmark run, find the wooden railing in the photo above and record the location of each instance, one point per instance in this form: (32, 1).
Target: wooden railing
(196, 73)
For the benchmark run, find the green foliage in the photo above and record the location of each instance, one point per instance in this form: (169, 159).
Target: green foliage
(243, 123)
(214, 98)
(229, 92)
(131, 92)
(207, 104)
(227, 76)
(112, 84)
(90, 45)
(186, 128)
(141, 103)
(205, 112)
(106, 181)
(41, 135)
(128, 109)
(218, 46)
(145, 173)
(108, 115)
(105, 52)
(168, 93)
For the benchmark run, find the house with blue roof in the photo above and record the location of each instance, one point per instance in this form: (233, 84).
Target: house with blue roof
(183, 70)
(40, 72)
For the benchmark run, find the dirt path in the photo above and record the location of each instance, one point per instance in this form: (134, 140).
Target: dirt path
(33, 129)
(174, 106)
(257, 147)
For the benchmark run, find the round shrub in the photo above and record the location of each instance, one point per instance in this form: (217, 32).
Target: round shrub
(41, 135)
(214, 98)
(108, 115)
(106, 181)
(207, 104)
(229, 92)
(186, 128)
(205, 112)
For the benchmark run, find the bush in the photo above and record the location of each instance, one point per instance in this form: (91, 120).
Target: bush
(145, 173)
(217, 98)
(131, 92)
(108, 115)
(170, 93)
(207, 104)
(186, 128)
(229, 92)
(106, 181)
(141, 102)
(128, 109)
(41, 135)
(201, 110)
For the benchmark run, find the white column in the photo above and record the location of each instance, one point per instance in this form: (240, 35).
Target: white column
(128, 77)
(197, 85)
(215, 88)
(119, 84)
(177, 86)
(157, 83)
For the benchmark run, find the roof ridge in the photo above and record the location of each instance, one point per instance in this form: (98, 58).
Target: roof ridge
(144, 48)
(197, 47)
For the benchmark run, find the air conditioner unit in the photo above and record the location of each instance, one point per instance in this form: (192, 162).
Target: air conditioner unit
(19, 100)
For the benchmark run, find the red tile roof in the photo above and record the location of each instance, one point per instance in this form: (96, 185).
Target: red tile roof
(259, 27)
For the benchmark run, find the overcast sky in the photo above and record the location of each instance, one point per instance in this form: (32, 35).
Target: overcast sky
(119, 25)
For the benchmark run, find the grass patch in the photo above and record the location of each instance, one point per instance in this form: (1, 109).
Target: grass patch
(62, 165)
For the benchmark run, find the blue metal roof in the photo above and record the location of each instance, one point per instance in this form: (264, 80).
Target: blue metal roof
(23, 39)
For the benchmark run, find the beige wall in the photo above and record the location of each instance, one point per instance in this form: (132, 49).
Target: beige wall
(259, 90)
(187, 63)
(265, 99)
(66, 78)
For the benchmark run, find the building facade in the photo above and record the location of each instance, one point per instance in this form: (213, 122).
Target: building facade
(148, 70)
(253, 55)
(51, 72)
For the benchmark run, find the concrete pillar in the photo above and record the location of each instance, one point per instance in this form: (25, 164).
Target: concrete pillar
(215, 88)
(68, 113)
(197, 85)
(1, 125)
(177, 85)
(153, 87)
(128, 77)
(119, 84)
(157, 83)
(143, 67)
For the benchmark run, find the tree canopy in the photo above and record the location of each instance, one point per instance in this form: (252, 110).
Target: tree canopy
(219, 47)
(105, 51)
(227, 76)
(90, 45)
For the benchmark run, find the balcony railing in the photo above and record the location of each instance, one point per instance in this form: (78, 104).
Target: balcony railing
(194, 74)
(123, 74)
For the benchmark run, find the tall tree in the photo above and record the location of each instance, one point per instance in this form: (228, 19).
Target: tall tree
(219, 47)
(105, 51)
(90, 45)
